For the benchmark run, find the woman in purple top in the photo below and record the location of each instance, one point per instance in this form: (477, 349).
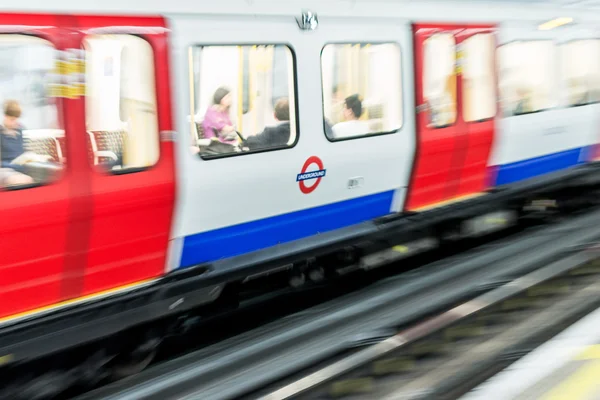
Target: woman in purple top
(217, 122)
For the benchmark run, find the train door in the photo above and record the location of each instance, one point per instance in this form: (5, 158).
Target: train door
(454, 75)
(478, 109)
(40, 191)
(130, 150)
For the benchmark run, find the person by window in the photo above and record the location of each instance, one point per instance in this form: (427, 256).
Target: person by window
(352, 126)
(11, 135)
(217, 122)
(12, 146)
(273, 136)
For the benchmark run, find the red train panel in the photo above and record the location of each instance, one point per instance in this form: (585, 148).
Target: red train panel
(88, 230)
(34, 222)
(452, 154)
(132, 212)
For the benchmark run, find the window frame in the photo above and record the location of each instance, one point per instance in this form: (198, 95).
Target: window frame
(401, 82)
(59, 105)
(97, 168)
(190, 52)
(562, 78)
(556, 57)
(495, 81)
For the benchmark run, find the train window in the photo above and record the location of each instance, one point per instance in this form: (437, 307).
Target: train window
(527, 76)
(242, 99)
(121, 113)
(439, 79)
(581, 79)
(32, 143)
(479, 87)
(362, 93)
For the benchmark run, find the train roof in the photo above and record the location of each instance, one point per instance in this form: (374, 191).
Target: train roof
(582, 11)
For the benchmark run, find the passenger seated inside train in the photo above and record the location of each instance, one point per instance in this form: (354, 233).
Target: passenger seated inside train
(352, 126)
(21, 162)
(12, 147)
(11, 135)
(273, 136)
(217, 122)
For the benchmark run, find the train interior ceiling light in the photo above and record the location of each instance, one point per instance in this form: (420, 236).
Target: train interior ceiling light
(555, 23)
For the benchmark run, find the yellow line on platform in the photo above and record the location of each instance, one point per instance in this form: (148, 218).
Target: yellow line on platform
(584, 382)
(590, 353)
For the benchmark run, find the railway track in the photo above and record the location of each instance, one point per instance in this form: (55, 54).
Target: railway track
(447, 355)
(70, 374)
(288, 351)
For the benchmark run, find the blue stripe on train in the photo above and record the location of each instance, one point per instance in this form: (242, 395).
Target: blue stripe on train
(255, 235)
(521, 170)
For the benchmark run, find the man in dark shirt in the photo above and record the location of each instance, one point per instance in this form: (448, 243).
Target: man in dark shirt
(11, 134)
(273, 136)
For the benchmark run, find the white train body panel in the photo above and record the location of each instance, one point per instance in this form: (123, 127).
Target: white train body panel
(554, 138)
(226, 192)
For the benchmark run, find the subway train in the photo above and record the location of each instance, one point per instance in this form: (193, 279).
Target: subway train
(158, 156)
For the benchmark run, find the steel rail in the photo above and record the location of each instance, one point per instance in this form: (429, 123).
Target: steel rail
(426, 386)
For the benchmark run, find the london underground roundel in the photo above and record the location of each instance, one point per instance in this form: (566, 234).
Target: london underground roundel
(309, 181)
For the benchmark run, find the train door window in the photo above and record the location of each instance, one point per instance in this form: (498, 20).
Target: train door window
(439, 79)
(242, 99)
(362, 89)
(581, 79)
(479, 87)
(527, 76)
(32, 143)
(121, 112)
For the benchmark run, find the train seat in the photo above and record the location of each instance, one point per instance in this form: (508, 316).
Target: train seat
(201, 141)
(106, 147)
(45, 146)
(62, 146)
